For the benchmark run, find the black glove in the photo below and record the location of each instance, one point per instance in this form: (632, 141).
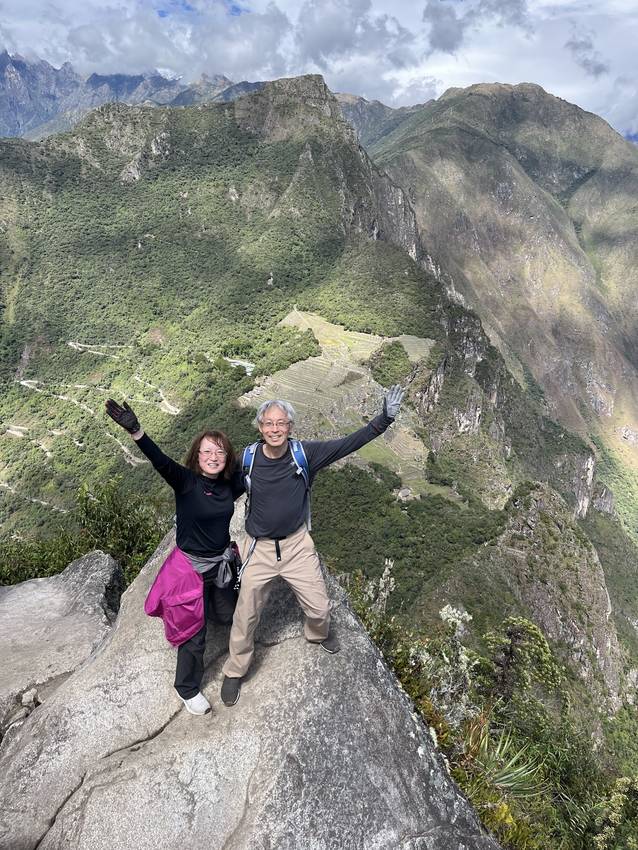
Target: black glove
(124, 416)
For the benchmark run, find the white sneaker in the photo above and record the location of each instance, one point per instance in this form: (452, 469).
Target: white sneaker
(197, 704)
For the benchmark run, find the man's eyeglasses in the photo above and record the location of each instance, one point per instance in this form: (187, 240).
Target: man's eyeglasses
(280, 423)
(212, 452)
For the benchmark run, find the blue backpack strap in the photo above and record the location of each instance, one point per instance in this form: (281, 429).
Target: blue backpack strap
(301, 462)
(247, 462)
(300, 459)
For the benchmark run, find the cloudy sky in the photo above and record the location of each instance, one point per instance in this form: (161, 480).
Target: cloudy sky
(398, 51)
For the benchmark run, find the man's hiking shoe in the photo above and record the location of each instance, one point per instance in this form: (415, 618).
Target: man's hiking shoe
(230, 690)
(197, 704)
(330, 644)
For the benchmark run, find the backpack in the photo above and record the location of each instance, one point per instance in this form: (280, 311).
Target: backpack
(299, 458)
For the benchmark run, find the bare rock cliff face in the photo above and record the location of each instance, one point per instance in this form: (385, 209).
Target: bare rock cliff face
(49, 627)
(320, 752)
(302, 107)
(556, 579)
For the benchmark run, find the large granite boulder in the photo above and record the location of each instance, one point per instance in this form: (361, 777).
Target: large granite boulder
(49, 626)
(320, 752)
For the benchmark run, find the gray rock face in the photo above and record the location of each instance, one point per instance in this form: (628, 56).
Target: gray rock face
(371, 119)
(321, 751)
(37, 99)
(603, 499)
(30, 92)
(49, 626)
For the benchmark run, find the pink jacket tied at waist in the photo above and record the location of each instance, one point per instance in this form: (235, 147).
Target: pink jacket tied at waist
(177, 596)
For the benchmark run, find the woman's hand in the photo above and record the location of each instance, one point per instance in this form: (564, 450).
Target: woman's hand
(124, 416)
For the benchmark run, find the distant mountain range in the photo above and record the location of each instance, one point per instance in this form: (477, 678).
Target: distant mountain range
(38, 100)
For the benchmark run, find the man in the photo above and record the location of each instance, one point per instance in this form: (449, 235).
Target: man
(278, 541)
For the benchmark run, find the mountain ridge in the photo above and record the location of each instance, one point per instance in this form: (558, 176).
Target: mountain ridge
(582, 289)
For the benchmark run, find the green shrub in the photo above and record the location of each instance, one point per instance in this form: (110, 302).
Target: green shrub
(105, 518)
(21, 560)
(504, 724)
(390, 364)
(127, 528)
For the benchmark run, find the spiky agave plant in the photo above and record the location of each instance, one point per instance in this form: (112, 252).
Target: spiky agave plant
(501, 763)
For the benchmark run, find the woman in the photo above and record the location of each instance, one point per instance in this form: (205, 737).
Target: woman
(185, 589)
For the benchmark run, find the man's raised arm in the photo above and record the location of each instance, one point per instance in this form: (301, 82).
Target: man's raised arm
(321, 453)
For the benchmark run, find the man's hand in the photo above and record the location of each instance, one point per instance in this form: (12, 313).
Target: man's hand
(124, 416)
(392, 401)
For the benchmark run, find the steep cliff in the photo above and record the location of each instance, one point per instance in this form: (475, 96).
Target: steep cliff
(524, 201)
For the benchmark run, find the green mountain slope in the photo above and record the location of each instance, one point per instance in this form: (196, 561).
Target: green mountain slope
(526, 205)
(150, 243)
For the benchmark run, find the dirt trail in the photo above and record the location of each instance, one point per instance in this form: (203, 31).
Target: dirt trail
(16, 492)
(164, 404)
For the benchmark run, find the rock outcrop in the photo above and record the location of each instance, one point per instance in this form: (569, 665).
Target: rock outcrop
(320, 752)
(50, 626)
(544, 568)
(370, 203)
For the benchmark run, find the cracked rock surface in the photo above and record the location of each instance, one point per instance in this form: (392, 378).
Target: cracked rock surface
(320, 752)
(49, 626)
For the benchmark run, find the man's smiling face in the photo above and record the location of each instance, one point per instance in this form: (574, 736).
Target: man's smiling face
(275, 427)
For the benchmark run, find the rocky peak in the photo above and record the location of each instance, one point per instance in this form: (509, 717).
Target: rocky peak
(372, 119)
(204, 90)
(268, 113)
(30, 92)
(120, 85)
(216, 80)
(321, 751)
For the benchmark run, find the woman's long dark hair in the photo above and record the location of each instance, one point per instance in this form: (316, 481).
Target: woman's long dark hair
(192, 455)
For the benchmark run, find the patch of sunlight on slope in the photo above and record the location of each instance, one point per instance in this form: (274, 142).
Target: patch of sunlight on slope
(335, 393)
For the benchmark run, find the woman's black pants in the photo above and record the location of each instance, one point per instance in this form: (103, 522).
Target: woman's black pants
(219, 606)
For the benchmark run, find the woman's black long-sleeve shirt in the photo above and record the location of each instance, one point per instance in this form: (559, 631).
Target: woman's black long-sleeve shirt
(204, 506)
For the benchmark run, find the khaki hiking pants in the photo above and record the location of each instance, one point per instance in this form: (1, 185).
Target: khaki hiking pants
(299, 567)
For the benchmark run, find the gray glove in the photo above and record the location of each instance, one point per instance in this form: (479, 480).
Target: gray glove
(392, 401)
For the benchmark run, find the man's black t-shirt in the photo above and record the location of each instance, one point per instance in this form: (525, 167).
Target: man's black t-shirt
(278, 495)
(204, 506)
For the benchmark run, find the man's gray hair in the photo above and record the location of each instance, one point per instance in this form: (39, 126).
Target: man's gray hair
(286, 406)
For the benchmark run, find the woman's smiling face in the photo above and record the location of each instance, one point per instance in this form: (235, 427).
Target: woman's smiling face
(211, 458)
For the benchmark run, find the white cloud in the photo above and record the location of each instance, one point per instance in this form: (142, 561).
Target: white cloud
(393, 50)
